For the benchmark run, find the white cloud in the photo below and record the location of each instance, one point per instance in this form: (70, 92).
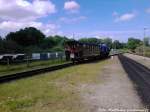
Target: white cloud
(148, 10)
(48, 29)
(18, 14)
(71, 6)
(115, 14)
(23, 10)
(72, 20)
(124, 17)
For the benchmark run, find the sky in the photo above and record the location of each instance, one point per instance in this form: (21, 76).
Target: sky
(118, 19)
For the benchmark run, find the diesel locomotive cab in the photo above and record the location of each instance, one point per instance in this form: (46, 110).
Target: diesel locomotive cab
(104, 50)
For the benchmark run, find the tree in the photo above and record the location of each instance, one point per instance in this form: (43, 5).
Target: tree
(26, 37)
(59, 40)
(10, 46)
(133, 43)
(84, 40)
(54, 43)
(123, 45)
(1, 38)
(1, 45)
(90, 40)
(47, 43)
(146, 41)
(116, 44)
(107, 41)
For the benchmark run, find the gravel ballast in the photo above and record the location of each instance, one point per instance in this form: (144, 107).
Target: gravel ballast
(114, 92)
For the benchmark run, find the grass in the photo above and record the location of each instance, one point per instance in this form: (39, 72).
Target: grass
(5, 69)
(51, 92)
(139, 51)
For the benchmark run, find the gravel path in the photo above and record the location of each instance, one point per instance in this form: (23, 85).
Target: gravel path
(143, 60)
(115, 91)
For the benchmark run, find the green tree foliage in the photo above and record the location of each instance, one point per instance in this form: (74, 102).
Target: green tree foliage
(133, 43)
(1, 45)
(124, 45)
(26, 37)
(30, 40)
(139, 51)
(33, 49)
(147, 41)
(1, 39)
(10, 46)
(56, 43)
(59, 40)
(90, 40)
(116, 44)
(47, 43)
(83, 40)
(107, 41)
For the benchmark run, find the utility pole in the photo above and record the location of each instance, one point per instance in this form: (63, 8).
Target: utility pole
(143, 41)
(73, 36)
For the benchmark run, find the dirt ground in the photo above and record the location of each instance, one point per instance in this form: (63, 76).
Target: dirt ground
(115, 92)
(143, 60)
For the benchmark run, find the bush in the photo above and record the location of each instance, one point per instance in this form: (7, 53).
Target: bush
(139, 51)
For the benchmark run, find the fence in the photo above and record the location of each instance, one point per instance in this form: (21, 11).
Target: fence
(28, 58)
(9, 64)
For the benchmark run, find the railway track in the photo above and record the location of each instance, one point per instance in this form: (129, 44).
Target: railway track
(140, 75)
(15, 76)
(7, 78)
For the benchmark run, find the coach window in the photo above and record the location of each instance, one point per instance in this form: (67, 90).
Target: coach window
(90, 47)
(93, 48)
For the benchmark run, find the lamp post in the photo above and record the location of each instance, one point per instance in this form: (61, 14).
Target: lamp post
(145, 29)
(73, 36)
